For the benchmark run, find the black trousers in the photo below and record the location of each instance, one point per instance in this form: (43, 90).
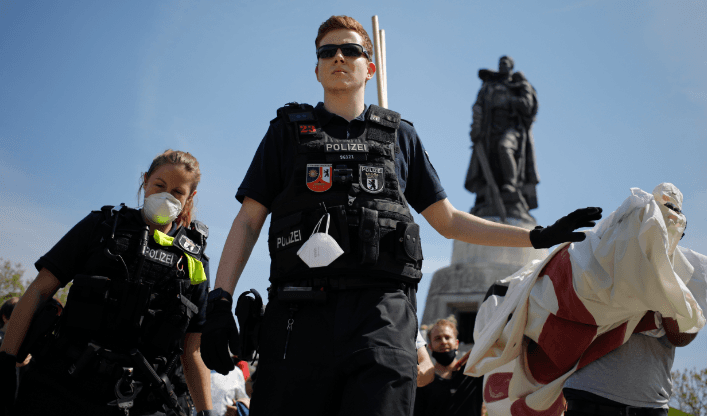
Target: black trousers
(583, 403)
(352, 355)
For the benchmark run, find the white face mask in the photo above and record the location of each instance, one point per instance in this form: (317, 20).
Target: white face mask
(161, 208)
(320, 249)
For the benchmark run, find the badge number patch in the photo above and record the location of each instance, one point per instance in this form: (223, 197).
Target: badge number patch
(371, 178)
(318, 177)
(307, 129)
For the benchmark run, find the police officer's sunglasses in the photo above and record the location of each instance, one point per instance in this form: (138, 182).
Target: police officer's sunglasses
(347, 49)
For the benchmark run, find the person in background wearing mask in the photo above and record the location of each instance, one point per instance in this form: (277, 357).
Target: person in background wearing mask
(136, 306)
(451, 392)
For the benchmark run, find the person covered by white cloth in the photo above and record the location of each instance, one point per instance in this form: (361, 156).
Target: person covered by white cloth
(586, 300)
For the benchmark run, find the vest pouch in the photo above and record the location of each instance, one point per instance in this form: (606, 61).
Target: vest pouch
(338, 225)
(408, 247)
(132, 300)
(167, 321)
(369, 236)
(87, 304)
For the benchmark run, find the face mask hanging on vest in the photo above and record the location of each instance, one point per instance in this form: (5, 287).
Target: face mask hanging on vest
(161, 208)
(320, 249)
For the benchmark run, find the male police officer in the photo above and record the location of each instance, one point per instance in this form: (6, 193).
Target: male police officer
(338, 335)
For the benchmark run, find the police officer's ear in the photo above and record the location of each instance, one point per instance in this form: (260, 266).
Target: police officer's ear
(316, 70)
(371, 70)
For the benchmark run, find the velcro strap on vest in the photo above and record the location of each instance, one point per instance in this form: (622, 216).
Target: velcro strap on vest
(189, 305)
(369, 234)
(382, 124)
(384, 117)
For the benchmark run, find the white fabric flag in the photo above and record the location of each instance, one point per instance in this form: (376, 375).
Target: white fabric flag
(580, 303)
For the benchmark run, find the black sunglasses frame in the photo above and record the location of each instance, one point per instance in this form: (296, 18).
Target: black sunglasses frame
(347, 49)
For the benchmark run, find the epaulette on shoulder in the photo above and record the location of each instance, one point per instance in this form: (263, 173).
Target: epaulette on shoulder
(383, 116)
(107, 211)
(407, 121)
(295, 112)
(104, 208)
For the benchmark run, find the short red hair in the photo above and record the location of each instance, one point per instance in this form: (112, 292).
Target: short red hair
(449, 322)
(344, 22)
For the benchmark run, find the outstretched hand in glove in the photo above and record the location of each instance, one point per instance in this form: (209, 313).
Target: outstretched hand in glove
(564, 229)
(219, 332)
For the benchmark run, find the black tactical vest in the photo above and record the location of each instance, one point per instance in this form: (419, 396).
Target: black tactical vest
(355, 181)
(122, 300)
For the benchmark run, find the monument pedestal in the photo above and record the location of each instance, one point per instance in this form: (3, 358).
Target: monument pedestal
(459, 288)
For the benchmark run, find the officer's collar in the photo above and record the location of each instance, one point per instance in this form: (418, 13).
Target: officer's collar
(324, 116)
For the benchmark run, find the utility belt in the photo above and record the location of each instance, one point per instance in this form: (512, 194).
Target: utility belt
(609, 410)
(315, 289)
(123, 376)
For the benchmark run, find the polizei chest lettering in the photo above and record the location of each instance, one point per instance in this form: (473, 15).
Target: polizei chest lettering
(161, 256)
(346, 147)
(287, 239)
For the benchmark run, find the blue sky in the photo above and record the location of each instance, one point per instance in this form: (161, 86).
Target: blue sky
(90, 92)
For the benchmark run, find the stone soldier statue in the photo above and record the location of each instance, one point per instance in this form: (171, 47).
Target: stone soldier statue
(502, 116)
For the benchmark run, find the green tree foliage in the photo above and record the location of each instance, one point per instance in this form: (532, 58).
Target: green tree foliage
(10, 280)
(62, 293)
(690, 391)
(11, 283)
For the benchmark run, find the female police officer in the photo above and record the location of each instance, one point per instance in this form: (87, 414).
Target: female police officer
(136, 305)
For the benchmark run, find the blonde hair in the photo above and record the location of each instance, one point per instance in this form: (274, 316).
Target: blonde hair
(190, 164)
(450, 322)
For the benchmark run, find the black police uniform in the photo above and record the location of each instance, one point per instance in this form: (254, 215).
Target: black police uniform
(110, 316)
(353, 352)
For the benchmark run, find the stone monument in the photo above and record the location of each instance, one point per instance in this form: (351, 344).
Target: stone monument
(503, 174)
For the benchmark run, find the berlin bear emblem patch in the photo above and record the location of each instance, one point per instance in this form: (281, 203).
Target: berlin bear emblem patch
(318, 177)
(371, 178)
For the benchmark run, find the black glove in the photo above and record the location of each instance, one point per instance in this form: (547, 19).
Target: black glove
(8, 379)
(563, 229)
(219, 332)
